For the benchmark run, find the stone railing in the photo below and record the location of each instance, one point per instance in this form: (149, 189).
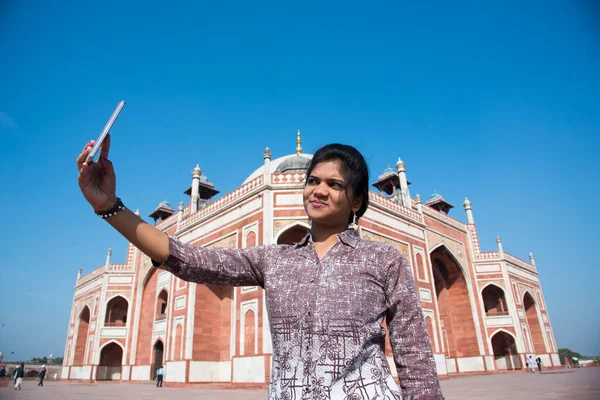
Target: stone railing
(167, 223)
(223, 201)
(479, 255)
(497, 313)
(392, 205)
(115, 324)
(487, 255)
(519, 263)
(119, 267)
(443, 218)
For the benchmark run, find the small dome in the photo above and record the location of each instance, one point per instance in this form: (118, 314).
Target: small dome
(197, 171)
(434, 196)
(400, 164)
(295, 163)
(165, 203)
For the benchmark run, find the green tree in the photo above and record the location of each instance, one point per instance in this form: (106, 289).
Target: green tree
(568, 353)
(37, 360)
(57, 360)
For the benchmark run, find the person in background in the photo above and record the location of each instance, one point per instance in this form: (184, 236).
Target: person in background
(42, 375)
(531, 364)
(2, 372)
(538, 361)
(19, 375)
(567, 363)
(160, 373)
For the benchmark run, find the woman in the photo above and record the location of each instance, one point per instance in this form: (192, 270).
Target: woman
(326, 296)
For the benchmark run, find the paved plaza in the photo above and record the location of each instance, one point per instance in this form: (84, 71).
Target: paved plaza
(563, 384)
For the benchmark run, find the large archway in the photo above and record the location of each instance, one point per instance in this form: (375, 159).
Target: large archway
(292, 235)
(82, 335)
(456, 314)
(111, 358)
(494, 302)
(116, 312)
(159, 349)
(505, 351)
(147, 317)
(535, 329)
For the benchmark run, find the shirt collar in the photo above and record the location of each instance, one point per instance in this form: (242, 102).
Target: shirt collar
(349, 237)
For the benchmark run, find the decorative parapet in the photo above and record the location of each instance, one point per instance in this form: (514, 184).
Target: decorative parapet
(167, 223)
(435, 214)
(287, 178)
(392, 205)
(172, 220)
(519, 263)
(479, 255)
(223, 201)
(90, 277)
(488, 255)
(119, 267)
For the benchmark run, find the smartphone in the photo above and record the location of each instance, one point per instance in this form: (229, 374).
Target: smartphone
(105, 131)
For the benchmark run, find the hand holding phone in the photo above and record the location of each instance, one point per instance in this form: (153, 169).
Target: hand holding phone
(105, 131)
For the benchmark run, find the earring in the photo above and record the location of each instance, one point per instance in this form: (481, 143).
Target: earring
(354, 221)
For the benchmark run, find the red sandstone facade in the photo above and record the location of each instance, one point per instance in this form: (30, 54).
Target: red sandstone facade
(484, 311)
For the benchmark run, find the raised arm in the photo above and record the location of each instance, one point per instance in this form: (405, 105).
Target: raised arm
(408, 334)
(223, 266)
(97, 182)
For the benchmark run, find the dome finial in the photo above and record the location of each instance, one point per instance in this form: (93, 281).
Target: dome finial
(299, 142)
(267, 153)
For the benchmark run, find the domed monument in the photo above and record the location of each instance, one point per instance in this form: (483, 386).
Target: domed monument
(484, 311)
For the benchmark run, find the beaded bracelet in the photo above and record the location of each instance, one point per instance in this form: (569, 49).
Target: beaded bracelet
(111, 211)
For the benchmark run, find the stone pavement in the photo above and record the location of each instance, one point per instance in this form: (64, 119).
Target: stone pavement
(582, 383)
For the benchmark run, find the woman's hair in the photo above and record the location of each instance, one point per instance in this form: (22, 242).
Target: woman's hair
(353, 168)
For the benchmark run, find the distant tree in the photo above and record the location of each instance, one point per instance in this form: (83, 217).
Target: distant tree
(44, 360)
(568, 353)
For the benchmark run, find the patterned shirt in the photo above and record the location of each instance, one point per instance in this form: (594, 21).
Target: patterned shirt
(326, 315)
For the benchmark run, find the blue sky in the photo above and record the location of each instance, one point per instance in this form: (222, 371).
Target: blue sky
(498, 102)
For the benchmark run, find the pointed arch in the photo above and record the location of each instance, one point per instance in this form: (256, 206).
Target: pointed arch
(162, 301)
(251, 238)
(82, 329)
(463, 269)
(176, 353)
(117, 308)
(111, 357)
(494, 299)
(504, 346)
(146, 317)
(533, 322)
(291, 233)
(158, 352)
(454, 303)
(112, 341)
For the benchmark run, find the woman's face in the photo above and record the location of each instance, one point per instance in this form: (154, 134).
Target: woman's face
(325, 196)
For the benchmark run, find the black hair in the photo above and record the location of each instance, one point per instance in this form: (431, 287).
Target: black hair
(354, 169)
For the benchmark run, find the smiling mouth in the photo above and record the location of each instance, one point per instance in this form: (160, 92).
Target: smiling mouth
(317, 203)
